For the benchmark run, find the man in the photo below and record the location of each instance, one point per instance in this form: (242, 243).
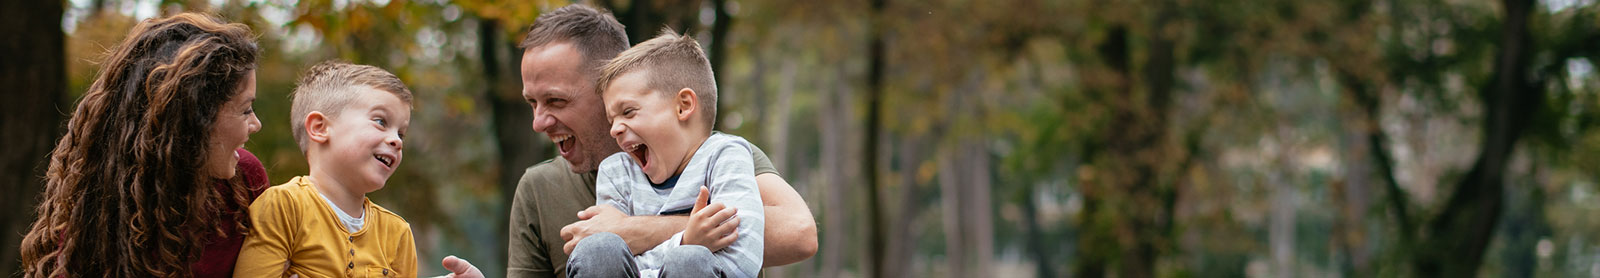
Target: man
(560, 64)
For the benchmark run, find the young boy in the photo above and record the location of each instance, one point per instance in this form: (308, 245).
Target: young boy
(660, 97)
(350, 121)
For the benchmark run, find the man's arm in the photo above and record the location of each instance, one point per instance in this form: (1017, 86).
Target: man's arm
(641, 232)
(791, 234)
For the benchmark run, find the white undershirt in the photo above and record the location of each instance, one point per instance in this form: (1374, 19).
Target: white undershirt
(351, 223)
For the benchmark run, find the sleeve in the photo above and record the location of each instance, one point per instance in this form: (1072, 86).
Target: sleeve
(762, 163)
(611, 183)
(406, 262)
(267, 248)
(733, 183)
(526, 254)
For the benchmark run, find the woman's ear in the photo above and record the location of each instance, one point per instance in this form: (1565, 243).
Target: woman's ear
(317, 127)
(687, 103)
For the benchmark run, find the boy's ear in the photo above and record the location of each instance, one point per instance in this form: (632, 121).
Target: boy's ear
(687, 103)
(317, 127)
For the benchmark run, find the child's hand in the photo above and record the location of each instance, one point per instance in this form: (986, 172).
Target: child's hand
(711, 225)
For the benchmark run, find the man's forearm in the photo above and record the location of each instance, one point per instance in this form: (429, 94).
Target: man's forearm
(791, 232)
(645, 232)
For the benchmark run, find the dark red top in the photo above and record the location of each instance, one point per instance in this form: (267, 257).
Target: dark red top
(220, 253)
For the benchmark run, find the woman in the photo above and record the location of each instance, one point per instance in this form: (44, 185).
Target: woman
(150, 179)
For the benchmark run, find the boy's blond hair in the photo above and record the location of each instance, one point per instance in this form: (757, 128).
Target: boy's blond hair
(328, 86)
(675, 62)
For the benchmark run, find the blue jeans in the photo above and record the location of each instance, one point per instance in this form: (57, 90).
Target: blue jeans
(607, 255)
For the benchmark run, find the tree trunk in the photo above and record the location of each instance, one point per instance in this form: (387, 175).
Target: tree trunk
(1098, 244)
(1280, 227)
(835, 233)
(956, 250)
(1461, 232)
(510, 115)
(875, 79)
(1525, 220)
(717, 52)
(1352, 196)
(1127, 217)
(901, 246)
(35, 74)
(976, 209)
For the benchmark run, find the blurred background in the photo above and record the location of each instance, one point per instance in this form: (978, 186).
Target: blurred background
(958, 138)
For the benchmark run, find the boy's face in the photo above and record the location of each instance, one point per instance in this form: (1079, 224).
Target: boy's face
(365, 140)
(565, 107)
(650, 125)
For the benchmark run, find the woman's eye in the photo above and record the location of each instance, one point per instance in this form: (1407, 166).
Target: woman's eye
(629, 111)
(249, 110)
(380, 121)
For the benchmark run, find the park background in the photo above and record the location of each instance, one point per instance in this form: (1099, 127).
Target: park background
(959, 138)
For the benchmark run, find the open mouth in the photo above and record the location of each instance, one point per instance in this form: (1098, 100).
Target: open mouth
(387, 161)
(640, 153)
(564, 143)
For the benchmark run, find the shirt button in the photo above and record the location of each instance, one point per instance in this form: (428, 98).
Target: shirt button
(352, 265)
(352, 239)
(352, 252)
(385, 271)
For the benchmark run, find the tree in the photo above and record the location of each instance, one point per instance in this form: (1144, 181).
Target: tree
(30, 31)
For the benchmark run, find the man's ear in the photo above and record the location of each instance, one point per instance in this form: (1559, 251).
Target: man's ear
(687, 103)
(317, 127)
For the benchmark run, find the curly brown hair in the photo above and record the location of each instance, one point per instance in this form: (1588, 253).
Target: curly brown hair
(124, 194)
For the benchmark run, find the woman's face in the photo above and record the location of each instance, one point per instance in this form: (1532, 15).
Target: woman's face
(236, 120)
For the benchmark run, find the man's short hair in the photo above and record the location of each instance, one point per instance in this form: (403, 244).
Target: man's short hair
(675, 62)
(329, 86)
(595, 33)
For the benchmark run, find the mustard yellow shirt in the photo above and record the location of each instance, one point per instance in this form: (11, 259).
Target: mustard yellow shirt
(292, 225)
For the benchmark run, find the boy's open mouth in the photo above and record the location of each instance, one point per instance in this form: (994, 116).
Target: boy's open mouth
(386, 160)
(639, 152)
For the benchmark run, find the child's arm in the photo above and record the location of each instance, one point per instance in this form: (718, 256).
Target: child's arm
(611, 182)
(733, 182)
(406, 262)
(265, 252)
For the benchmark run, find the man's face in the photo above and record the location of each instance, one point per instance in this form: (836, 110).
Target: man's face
(565, 105)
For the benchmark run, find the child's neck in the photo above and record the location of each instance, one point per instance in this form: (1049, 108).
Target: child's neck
(694, 146)
(348, 200)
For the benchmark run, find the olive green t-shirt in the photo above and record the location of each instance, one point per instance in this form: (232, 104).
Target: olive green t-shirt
(548, 197)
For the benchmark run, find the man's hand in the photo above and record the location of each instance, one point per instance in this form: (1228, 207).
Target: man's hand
(595, 219)
(460, 268)
(711, 225)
